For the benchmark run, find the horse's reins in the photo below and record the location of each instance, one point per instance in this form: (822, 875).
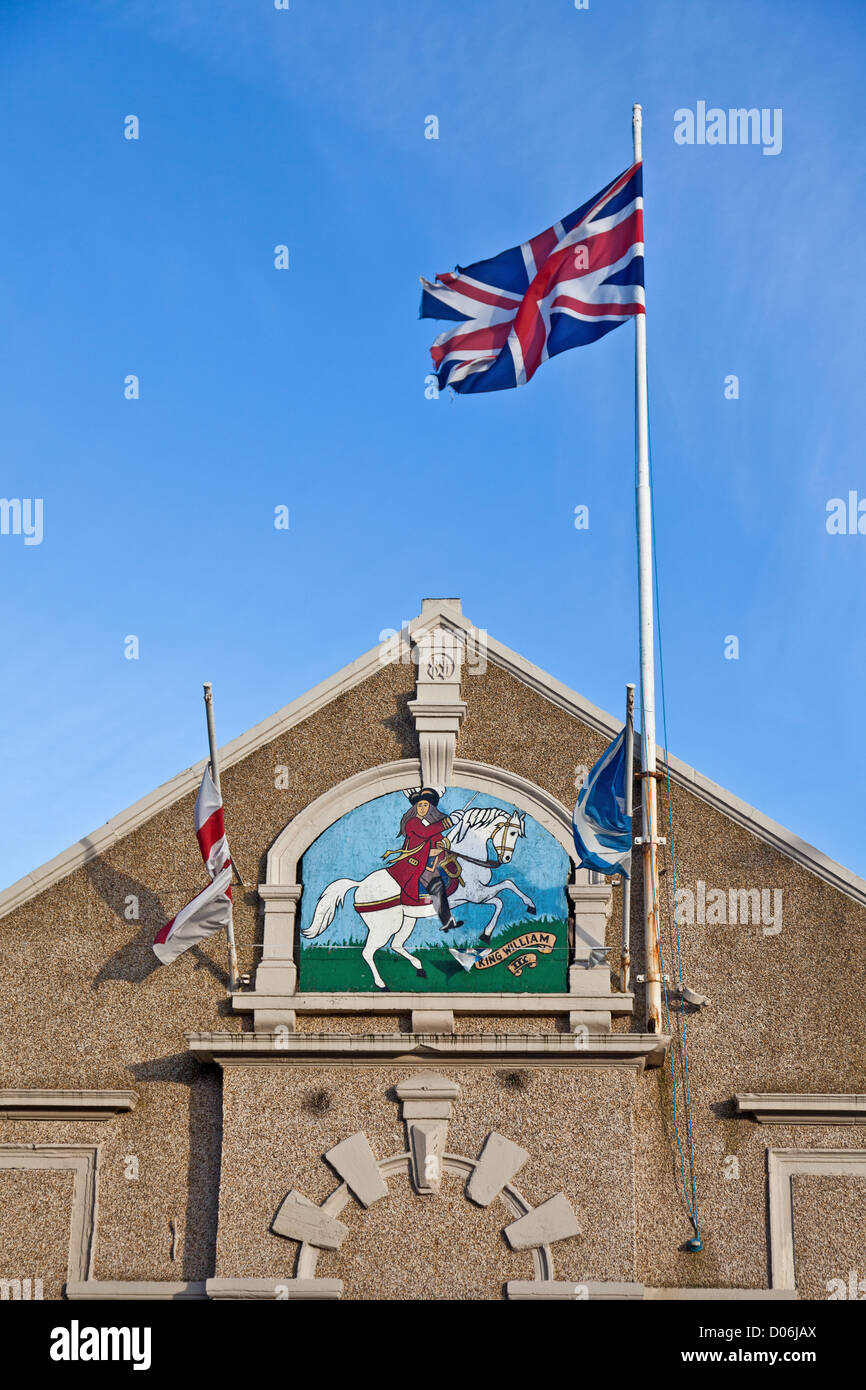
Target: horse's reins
(487, 863)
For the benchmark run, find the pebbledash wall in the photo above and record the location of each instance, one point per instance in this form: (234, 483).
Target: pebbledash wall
(159, 1139)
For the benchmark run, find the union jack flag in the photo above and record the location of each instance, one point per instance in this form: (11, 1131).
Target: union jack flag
(568, 286)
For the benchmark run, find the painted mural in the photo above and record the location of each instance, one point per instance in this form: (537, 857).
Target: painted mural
(435, 890)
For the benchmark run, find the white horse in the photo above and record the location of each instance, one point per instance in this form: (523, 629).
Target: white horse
(377, 897)
(468, 840)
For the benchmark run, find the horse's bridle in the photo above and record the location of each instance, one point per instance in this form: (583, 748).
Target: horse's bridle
(503, 833)
(500, 848)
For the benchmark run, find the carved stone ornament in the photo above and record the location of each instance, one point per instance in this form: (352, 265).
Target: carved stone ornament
(438, 710)
(426, 1100)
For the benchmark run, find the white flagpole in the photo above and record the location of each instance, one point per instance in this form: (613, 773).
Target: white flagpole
(215, 774)
(647, 657)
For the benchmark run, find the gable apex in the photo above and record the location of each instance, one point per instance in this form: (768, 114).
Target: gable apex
(436, 613)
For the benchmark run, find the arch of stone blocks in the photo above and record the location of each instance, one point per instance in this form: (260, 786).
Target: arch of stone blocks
(317, 1228)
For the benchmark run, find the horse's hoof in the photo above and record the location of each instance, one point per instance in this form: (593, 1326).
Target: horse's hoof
(383, 989)
(533, 911)
(422, 973)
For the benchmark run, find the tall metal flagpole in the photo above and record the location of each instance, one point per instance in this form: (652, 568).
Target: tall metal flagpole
(647, 657)
(215, 774)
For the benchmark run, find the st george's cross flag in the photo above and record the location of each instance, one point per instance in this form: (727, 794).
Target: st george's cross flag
(602, 830)
(565, 287)
(210, 910)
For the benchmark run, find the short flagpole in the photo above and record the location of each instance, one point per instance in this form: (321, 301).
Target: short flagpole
(649, 837)
(625, 959)
(215, 774)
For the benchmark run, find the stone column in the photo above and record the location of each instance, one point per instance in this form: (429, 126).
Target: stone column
(277, 973)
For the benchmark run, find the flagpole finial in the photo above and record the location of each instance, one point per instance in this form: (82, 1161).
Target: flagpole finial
(637, 131)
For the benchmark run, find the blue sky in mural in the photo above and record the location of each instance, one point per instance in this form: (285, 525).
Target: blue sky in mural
(354, 847)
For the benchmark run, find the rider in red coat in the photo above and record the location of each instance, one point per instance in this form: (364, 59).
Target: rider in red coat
(424, 868)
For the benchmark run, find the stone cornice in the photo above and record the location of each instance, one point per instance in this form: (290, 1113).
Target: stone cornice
(808, 1108)
(65, 1105)
(548, 1049)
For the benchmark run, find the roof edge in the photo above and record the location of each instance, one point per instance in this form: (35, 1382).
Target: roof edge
(447, 613)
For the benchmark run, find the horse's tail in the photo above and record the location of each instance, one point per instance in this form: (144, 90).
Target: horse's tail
(326, 907)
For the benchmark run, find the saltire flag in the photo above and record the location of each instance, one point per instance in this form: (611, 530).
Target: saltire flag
(566, 287)
(210, 910)
(602, 830)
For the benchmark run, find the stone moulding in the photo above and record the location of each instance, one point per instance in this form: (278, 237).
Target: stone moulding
(635, 1050)
(273, 998)
(140, 1290)
(445, 613)
(525, 1289)
(82, 1161)
(782, 1166)
(426, 1101)
(808, 1108)
(538, 1242)
(274, 1290)
(65, 1105)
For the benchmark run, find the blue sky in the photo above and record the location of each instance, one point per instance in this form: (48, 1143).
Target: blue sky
(305, 387)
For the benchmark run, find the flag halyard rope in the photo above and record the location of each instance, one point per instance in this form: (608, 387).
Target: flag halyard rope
(692, 1205)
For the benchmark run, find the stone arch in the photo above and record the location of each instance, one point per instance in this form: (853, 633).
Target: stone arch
(486, 1178)
(458, 1166)
(277, 974)
(287, 850)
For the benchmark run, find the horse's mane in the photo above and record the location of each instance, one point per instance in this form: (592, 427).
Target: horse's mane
(476, 815)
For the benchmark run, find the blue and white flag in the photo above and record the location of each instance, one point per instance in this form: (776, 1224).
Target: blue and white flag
(602, 830)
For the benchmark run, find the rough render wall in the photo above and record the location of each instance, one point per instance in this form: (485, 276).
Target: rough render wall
(35, 1215)
(785, 1012)
(575, 1124)
(91, 1007)
(87, 1003)
(829, 1235)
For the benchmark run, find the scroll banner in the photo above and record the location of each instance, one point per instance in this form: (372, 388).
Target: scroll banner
(543, 941)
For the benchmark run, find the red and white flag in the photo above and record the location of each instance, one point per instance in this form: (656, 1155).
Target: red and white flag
(210, 828)
(210, 910)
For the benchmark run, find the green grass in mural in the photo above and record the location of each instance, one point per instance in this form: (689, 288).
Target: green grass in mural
(336, 969)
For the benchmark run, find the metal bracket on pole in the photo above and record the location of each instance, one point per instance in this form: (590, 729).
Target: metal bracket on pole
(650, 839)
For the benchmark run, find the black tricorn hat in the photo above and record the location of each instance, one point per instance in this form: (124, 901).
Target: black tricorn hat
(425, 794)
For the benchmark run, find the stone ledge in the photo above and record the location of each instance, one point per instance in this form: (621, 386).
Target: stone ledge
(140, 1289)
(806, 1108)
(41, 1104)
(723, 1295)
(559, 1049)
(591, 992)
(276, 1290)
(558, 1289)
